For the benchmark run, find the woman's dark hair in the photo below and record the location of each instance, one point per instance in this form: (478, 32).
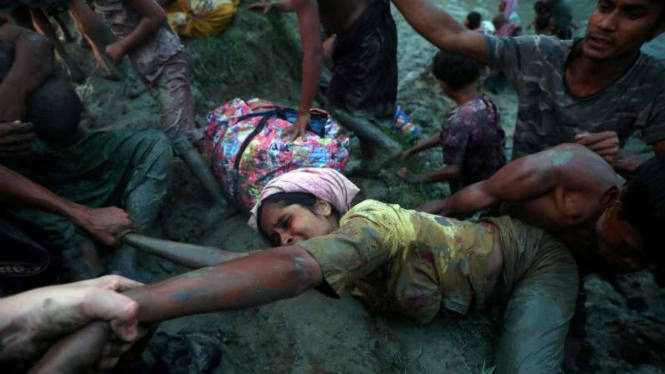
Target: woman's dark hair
(474, 19)
(455, 70)
(643, 206)
(284, 199)
(54, 109)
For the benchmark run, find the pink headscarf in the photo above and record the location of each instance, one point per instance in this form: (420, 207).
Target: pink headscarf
(326, 184)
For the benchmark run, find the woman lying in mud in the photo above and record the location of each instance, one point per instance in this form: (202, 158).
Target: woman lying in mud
(400, 260)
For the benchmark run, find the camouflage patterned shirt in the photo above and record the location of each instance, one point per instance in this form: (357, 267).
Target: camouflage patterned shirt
(549, 115)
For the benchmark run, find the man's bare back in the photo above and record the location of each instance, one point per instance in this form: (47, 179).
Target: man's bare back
(563, 190)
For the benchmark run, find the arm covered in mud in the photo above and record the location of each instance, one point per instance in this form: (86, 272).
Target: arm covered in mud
(312, 62)
(440, 29)
(33, 64)
(187, 255)
(105, 225)
(523, 179)
(262, 278)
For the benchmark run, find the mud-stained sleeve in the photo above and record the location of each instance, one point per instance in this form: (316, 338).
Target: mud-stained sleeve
(352, 252)
(654, 131)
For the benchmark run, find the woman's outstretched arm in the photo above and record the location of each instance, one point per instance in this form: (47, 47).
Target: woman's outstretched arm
(257, 279)
(261, 278)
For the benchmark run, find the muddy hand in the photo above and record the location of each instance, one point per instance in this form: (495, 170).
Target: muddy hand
(298, 129)
(105, 225)
(116, 52)
(405, 175)
(53, 312)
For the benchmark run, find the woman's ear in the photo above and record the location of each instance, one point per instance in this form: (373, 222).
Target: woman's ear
(610, 197)
(323, 208)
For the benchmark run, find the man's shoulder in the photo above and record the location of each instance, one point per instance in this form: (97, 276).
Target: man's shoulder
(651, 67)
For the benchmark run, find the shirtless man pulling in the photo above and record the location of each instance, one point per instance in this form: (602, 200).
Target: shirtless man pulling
(576, 195)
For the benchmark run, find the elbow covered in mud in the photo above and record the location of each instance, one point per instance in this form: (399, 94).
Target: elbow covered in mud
(305, 271)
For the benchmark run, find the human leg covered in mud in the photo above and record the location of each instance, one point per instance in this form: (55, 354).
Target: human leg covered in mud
(170, 88)
(538, 287)
(98, 36)
(156, 54)
(362, 94)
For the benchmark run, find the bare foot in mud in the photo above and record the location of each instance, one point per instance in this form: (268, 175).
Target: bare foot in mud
(31, 321)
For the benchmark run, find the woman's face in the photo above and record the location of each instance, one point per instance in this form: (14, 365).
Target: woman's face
(294, 223)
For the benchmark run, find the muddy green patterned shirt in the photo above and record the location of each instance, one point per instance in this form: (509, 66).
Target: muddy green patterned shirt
(549, 115)
(409, 262)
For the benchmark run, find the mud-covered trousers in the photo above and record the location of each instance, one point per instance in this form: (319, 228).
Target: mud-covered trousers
(538, 286)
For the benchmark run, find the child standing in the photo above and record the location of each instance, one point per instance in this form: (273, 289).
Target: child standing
(157, 55)
(471, 135)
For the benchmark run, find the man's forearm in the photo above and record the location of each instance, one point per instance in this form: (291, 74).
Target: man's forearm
(448, 173)
(312, 63)
(470, 199)
(17, 190)
(441, 29)
(312, 70)
(144, 31)
(284, 6)
(33, 60)
(430, 21)
(425, 145)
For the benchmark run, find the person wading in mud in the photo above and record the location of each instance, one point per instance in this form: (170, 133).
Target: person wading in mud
(362, 94)
(597, 90)
(418, 265)
(410, 262)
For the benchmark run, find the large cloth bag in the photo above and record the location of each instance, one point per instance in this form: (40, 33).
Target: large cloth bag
(243, 142)
(201, 18)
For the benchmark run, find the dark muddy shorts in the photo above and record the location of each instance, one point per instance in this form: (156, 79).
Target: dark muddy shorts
(364, 77)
